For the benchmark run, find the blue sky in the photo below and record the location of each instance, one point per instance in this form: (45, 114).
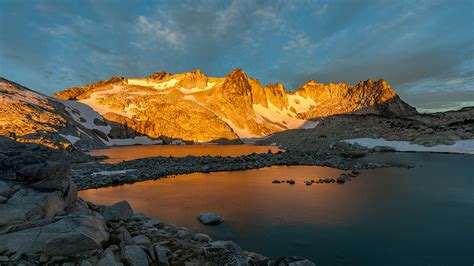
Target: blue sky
(423, 48)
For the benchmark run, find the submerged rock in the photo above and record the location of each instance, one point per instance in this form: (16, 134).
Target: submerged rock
(210, 218)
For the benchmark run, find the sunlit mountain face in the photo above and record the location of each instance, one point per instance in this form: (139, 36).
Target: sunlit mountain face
(191, 107)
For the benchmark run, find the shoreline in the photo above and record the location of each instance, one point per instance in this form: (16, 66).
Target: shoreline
(86, 175)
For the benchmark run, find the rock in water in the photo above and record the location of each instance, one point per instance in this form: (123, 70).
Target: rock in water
(210, 218)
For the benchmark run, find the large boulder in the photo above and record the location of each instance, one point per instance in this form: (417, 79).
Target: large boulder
(73, 234)
(30, 161)
(29, 205)
(119, 211)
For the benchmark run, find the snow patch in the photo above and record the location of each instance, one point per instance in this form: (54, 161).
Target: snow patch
(460, 146)
(283, 118)
(300, 103)
(115, 172)
(72, 139)
(209, 86)
(79, 110)
(156, 85)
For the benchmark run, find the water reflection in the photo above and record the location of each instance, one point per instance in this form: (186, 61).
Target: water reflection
(392, 216)
(121, 153)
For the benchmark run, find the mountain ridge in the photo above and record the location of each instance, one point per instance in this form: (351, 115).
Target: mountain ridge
(193, 107)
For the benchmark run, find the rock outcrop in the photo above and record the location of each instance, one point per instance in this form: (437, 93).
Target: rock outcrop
(196, 108)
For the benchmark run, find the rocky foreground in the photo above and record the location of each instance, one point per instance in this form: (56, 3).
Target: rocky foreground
(42, 221)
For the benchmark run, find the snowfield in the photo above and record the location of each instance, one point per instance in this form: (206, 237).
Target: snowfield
(460, 146)
(158, 86)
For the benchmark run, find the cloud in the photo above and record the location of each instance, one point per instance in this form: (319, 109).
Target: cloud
(301, 41)
(57, 30)
(158, 32)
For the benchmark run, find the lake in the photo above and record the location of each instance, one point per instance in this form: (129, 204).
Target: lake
(125, 153)
(392, 216)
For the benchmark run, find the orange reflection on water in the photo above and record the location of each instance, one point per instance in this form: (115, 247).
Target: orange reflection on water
(121, 153)
(239, 196)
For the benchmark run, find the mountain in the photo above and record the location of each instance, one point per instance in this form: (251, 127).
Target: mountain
(194, 107)
(184, 107)
(28, 116)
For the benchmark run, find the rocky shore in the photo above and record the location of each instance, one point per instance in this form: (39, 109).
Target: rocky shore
(42, 221)
(95, 175)
(424, 129)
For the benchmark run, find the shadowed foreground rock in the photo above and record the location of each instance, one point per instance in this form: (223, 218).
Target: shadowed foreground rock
(42, 221)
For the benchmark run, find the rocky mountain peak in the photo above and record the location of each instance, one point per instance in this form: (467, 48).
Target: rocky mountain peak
(159, 75)
(237, 74)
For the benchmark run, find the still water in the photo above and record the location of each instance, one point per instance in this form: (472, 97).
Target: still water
(125, 153)
(394, 216)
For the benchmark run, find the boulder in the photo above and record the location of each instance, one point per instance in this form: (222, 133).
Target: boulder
(161, 254)
(134, 255)
(210, 218)
(67, 235)
(107, 258)
(145, 243)
(29, 204)
(118, 211)
(4, 187)
(202, 238)
(125, 236)
(342, 179)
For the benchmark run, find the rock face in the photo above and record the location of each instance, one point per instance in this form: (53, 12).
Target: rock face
(194, 107)
(42, 214)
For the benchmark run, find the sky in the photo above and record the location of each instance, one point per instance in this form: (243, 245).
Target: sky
(424, 48)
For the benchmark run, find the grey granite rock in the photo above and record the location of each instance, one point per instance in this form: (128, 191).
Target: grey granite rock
(210, 218)
(135, 255)
(70, 235)
(118, 211)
